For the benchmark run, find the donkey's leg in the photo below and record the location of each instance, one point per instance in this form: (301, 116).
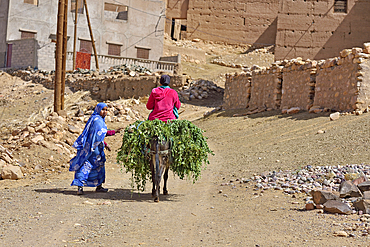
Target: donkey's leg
(152, 169)
(165, 177)
(157, 175)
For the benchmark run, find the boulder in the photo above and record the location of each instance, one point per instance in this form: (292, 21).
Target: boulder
(363, 205)
(11, 172)
(365, 186)
(74, 129)
(359, 180)
(337, 207)
(366, 194)
(348, 189)
(322, 196)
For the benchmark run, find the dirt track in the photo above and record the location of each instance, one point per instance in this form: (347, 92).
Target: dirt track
(47, 212)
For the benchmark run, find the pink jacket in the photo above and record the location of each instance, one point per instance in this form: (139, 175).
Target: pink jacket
(161, 101)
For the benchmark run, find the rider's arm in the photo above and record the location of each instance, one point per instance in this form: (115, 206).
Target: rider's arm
(150, 103)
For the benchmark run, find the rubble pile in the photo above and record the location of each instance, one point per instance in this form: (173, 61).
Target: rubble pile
(117, 71)
(56, 133)
(199, 89)
(335, 189)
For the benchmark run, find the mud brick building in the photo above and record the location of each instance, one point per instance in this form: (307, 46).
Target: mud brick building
(125, 28)
(314, 29)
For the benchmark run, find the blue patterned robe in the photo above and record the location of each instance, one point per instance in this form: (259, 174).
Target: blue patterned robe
(89, 162)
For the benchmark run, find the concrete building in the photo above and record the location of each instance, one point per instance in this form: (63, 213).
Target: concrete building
(313, 29)
(124, 28)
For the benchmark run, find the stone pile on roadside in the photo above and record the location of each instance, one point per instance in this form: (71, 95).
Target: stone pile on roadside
(199, 89)
(53, 137)
(335, 189)
(7, 168)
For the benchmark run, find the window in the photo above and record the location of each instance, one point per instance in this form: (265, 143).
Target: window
(340, 6)
(85, 46)
(34, 2)
(116, 11)
(114, 49)
(142, 52)
(28, 35)
(80, 6)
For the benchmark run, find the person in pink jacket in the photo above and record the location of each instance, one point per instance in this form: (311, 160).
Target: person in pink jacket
(164, 101)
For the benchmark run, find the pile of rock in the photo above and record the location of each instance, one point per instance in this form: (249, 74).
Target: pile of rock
(117, 112)
(334, 189)
(8, 167)
(199, 89)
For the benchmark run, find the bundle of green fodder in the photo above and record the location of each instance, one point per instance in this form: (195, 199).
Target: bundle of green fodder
(189, 149)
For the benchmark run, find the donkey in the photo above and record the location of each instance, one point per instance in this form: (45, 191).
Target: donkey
(159, 159)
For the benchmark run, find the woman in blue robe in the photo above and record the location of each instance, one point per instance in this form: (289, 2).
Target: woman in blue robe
(89, 163)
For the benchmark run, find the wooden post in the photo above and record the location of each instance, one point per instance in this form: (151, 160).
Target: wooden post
(91, 35)
(75, 36)
(58, 58)
(65, 40)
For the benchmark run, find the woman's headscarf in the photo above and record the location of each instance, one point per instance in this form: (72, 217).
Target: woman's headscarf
(92, 135)
(165, 80)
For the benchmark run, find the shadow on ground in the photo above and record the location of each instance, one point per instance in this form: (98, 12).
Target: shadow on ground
(125, 195)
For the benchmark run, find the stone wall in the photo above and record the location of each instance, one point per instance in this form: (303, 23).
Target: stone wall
(298, 89)
(104, 87)
(237, 91)
(265, 90)
(336, 84)
(340, 82)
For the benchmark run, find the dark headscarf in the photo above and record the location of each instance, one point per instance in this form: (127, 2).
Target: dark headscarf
(165, 80)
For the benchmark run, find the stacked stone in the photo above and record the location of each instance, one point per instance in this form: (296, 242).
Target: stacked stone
(103, 86)
(266, 87)
(299, 79)
(117, 112)
(237, 90)
(199, 89)
(341, 82)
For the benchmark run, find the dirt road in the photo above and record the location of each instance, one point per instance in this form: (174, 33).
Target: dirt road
(47, 212)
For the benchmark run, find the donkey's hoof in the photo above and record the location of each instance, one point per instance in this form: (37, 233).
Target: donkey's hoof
(165, 192)
(156, 199)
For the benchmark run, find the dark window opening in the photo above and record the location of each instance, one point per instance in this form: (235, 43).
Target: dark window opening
(121, 10)
(33, 2)
(86, 46)
(114, 50)
(340, 6)
(80, 4)
(142, 53)
(28, 35)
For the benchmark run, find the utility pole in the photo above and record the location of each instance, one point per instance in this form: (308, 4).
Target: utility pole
(59, 58)
(65, 40)
(91, 35)
(75, 35)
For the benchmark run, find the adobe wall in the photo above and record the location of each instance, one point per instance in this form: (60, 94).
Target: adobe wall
(237, 91)
(312, 30)
(175, 9)
(265, 89)
(342, 83)
(298, 89)
(233, 21)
